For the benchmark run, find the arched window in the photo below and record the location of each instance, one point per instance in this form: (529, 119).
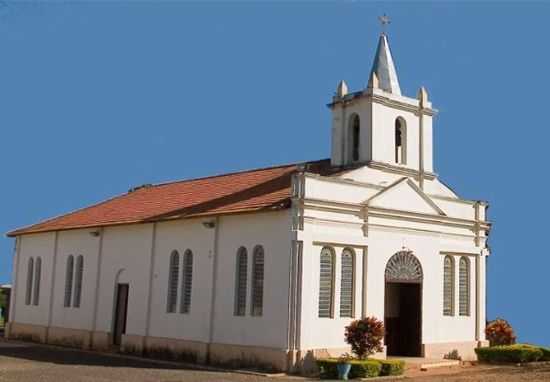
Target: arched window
(69, 280)
(240, 282)
(448, 286)
(257, 281)
(186, 282)
(173, 275)
(30, 275)
(464, 287)
(354, 131)
(79, 271)
(347, 282)
(326, 282)
(37, 276)
(400, 141)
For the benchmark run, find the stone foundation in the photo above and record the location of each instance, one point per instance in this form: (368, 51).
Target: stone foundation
(239, 356)
(75, 338)
(26, 332)
(465, 349)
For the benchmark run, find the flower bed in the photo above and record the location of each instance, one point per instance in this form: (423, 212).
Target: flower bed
(361, 368)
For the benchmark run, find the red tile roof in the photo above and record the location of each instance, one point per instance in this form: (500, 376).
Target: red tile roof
(246, 191)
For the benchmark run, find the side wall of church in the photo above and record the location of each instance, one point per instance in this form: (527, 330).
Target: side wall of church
(124, 254)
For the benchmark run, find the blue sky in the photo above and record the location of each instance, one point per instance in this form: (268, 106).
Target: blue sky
(98, 97)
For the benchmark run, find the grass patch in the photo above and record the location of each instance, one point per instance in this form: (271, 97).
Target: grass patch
(361, 368)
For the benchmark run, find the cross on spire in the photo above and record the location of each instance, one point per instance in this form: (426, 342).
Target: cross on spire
(384, 22)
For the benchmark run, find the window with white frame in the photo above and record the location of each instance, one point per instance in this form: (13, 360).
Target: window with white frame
(173, 275)
(464, 287)
(186, 282)
(69, 272)
(257, 281)
(326, 282)
(346, 282)
(240, 282)
(448, 286)
(30, 276)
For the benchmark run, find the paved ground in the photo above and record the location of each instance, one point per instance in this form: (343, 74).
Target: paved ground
(26, 363)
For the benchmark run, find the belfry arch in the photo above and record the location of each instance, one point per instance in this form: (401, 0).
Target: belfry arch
(403, 305)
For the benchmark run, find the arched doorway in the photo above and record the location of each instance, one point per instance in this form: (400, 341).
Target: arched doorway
(403, 305)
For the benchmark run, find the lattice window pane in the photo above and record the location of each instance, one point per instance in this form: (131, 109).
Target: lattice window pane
(326, 281)
(37, 277)
(173, 275)
(30, 276)
(78, 281)
(240, 282)
(464, 287)
(257, 281)
(448, 286)
(346, 283)
(69, 281)
(186, 282)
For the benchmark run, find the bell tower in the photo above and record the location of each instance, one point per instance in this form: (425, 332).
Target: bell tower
(380, 127)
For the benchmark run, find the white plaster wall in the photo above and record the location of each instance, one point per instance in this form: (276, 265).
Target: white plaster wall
(182, 235)
(125, 259)
(36, 245)
(272, 231)
(75, 242)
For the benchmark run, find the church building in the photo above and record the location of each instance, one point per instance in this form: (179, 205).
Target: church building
(268, 266)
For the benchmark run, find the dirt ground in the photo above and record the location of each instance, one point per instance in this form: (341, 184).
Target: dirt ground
(27, 362)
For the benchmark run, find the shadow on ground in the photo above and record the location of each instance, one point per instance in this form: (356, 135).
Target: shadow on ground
(62, 356)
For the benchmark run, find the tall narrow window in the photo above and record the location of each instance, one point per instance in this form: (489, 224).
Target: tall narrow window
(240, 282)
(464, 287)
(186, 282)
(69, 280)
(400, 141)
(30, 275)
(326, 282)
(79, 271)
(257, 281)
(37, 277)
(448, 286)
(346, 283)
(173, 275)
(354, 134)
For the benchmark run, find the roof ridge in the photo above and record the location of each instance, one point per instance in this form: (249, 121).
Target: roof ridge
(236, 172)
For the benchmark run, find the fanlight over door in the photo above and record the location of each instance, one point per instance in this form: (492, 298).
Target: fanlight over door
(404, 267)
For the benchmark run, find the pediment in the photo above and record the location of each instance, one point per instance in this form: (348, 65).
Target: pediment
(404, 195)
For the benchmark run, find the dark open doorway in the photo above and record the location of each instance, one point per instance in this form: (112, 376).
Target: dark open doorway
(403, 319)
(121, 310)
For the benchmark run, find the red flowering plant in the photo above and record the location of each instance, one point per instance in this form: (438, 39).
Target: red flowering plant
(365, 336)
(500, 332)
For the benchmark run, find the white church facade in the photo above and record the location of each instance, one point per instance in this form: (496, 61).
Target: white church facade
(268, 266)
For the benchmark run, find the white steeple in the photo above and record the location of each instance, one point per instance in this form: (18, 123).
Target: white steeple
(384, 68)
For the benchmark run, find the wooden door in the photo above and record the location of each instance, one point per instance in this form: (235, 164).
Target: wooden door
(121, 310)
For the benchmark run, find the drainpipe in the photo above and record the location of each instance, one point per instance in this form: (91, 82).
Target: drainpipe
(150, 289)
(97, 283)
(214, 286)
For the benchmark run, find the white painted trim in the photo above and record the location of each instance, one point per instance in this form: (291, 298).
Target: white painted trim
(15, 269)
(53, 279)
(214, 285)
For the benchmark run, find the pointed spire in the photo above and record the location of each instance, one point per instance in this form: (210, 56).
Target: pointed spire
(384, 68)
(342, 89)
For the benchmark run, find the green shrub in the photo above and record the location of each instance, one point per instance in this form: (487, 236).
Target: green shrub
(545, 353)
(391, 367)
(359, 368)
(509, 354)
